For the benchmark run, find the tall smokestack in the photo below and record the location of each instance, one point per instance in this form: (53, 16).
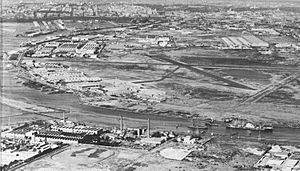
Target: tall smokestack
(121, 123)
(148, 132)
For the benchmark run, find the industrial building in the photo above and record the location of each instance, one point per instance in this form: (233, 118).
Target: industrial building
(76, 129)
(57, 74)
(163, 41)
(255, 42)
(59, 24)
(89, 48)
(54, 136)
(236, 42)
(280, 158)
(36, 24)
(244, 42)
(265, 31)
(67, 48)
(228, 42)
(52, 45)
(45, 24)
(153, 140)
(91, 86)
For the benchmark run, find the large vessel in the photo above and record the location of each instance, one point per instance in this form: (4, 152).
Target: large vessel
(238, 123)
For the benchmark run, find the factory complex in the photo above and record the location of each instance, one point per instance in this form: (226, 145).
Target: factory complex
(27, 142)
(67, 79)
(38, 138)
(280, 158)
(59, 49)
(245, 42)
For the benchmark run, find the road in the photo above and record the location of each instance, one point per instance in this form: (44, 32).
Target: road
(204, 65)
(160, 79)
(271, 88)
(40, 157)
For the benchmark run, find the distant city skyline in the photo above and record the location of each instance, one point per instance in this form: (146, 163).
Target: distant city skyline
(259, 3)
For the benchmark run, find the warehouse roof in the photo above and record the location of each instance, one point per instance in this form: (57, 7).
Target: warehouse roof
(254, 41)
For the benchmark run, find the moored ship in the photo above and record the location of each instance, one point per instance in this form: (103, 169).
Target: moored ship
(237, 123)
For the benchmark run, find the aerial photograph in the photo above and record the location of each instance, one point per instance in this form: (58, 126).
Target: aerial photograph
(150, 85)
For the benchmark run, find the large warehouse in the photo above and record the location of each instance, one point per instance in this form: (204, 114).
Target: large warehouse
(255, 42)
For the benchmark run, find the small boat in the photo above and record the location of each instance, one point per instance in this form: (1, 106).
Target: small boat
(198, 127)
(267, 127)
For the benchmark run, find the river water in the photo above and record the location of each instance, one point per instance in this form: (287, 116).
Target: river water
(9, 32)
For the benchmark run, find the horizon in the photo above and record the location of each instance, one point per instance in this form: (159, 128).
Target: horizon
(259, 3)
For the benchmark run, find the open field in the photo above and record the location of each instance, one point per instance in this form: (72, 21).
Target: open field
(203, 96)
(90, 157)
(86, 157)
